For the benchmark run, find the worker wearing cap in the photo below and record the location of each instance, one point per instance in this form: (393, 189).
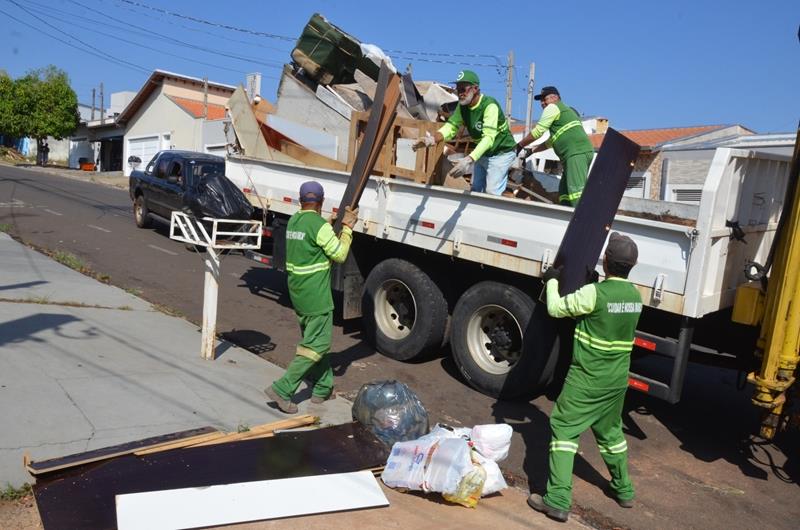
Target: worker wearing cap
(487, 125)
(606, 315)
(311, 245)
(568, 140)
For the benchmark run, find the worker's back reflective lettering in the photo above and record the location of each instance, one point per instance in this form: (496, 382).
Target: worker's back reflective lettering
(624, 307)
(295, 235)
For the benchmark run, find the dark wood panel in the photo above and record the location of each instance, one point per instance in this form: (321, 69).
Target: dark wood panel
(590, 224)
(83, 497)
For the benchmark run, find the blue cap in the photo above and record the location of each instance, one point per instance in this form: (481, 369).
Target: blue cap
(311, 191)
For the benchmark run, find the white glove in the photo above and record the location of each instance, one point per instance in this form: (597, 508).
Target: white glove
(424, 141)
(461, 167)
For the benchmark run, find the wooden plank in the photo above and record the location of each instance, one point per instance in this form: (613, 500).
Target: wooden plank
(382, 114)
(262, 430)
(96, 455)
(226, 504)
(84, 497)
(590, 224)
(309, 157)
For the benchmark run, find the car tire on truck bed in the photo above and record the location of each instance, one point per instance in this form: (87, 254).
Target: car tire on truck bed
(503, 342)
(141, 214)
(404, 312)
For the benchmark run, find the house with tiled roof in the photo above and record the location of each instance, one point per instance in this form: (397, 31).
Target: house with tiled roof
(649, 179)
(174, 111)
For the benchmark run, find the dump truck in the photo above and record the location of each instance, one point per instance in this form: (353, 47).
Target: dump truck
(434, 264)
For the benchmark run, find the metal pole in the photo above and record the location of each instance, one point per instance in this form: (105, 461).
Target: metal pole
(509, 82)
(205, 98)
(210, 290)
(102, 110)
(529, 113)
(93, 103)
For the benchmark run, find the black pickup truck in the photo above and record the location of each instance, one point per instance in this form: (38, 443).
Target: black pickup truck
(159, 190)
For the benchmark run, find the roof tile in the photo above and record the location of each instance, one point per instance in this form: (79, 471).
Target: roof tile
(650, 138)
(195, 108)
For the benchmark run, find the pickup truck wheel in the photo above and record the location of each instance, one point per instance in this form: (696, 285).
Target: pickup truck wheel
(405, 313)
(140, 212)
(501, 342)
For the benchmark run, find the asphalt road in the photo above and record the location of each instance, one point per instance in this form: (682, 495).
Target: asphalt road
(695, 464)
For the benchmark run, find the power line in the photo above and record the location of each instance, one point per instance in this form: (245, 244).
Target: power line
(99, 55)
(97, 50)
(208, 22)
(176, 41)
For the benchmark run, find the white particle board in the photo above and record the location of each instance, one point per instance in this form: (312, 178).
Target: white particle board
(248, 501)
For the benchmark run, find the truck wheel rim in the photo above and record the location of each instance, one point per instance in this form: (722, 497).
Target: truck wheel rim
(494, 339)
(138, 210)
(395, 309)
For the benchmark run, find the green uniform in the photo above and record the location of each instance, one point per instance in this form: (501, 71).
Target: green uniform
(311, 244)
(572, 146)
(485, 123)
(606, 315)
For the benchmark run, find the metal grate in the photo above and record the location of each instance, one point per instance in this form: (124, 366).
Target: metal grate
(688, 195)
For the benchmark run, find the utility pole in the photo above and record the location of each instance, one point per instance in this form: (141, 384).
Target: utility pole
(93, 103)
(529, 113)
(205, 98)
(509, 82)
(102, 102)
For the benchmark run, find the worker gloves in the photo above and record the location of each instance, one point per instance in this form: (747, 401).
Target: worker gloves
(424, 141)
(350, 217)
(553, 273)
(461, 168)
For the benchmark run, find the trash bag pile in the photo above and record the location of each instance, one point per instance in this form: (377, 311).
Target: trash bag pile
(460, 463)
(391, 410)
(219, 198)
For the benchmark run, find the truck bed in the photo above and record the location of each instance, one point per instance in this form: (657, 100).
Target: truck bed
(688, 267)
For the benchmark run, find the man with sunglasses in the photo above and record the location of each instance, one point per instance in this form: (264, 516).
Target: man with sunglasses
(487, 125)
(568, 140)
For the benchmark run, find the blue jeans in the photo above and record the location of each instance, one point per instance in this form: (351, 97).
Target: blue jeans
(490, 173)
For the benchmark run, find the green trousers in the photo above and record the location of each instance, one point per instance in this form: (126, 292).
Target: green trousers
(576, 410)
(311, 358)
(573, 180)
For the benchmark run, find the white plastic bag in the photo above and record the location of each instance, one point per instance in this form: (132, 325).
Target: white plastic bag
(376, 55)
(492, 441)
(432, 464)
(494, 478)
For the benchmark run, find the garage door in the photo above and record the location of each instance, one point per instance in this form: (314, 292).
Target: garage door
(144, 148)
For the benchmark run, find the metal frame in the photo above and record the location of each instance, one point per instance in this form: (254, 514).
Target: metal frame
(187, 229)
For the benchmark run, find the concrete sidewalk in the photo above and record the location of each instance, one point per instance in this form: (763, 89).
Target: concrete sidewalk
(85, 365)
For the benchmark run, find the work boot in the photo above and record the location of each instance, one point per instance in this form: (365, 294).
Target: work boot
(625, 503)
(317, 400)
(284, 405)
(536, 502)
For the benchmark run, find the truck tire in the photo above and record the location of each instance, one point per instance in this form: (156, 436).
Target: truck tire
(404, 312)
(140, 212)
(503, 343)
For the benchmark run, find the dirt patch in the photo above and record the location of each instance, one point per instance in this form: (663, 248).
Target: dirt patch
(20, 514)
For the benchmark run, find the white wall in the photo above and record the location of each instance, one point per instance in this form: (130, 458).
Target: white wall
(159, 116)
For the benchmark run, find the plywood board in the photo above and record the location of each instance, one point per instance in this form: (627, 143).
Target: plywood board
(83, 497)
(248, 501)
(78, 459)
(590, 224)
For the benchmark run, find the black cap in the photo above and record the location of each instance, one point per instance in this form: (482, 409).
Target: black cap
(621, 250)
(546, 91)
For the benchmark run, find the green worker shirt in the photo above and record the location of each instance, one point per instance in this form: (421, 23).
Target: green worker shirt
(606, 315)
(311, 245)
(567, 137)
(485, 123)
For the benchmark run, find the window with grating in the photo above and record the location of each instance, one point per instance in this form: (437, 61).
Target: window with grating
(688, 195)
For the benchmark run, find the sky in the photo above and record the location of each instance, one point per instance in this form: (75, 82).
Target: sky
(640, 64)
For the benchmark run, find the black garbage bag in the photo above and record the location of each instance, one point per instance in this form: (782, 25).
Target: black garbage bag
(392, 411)
(217, 197)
